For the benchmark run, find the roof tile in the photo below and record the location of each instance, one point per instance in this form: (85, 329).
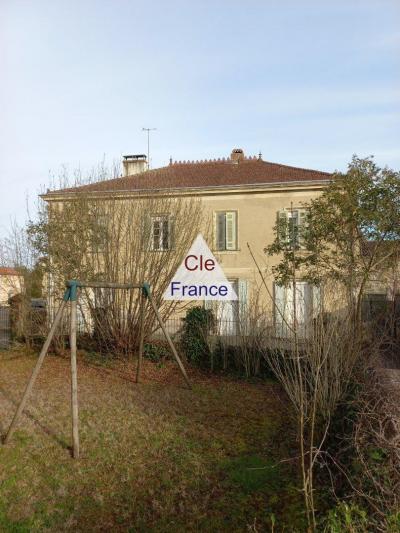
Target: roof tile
(8, 271)
(220, 173)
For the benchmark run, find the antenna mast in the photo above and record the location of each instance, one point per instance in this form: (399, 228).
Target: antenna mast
(148, 144)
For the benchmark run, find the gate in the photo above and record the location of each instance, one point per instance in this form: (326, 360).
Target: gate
(5, 327)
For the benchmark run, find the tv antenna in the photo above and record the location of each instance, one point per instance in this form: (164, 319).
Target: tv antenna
(148, 144)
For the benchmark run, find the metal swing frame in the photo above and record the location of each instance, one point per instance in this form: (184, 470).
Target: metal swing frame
(71, 295)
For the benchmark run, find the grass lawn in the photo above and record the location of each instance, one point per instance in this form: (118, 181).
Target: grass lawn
(154, 456)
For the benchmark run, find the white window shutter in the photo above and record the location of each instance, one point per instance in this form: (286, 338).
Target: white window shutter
(279, 309)
(312, 307)
(243, 298)
(209, 305)
(316, 300)
(243, 303)
(300, 310)
(231, 230)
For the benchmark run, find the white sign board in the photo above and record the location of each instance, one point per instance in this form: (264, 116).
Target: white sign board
(200, 277)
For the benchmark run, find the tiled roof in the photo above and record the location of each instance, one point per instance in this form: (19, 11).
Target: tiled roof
(8, 271)
(203, 174)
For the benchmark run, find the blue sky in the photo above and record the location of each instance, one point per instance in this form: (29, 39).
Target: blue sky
(308, 83)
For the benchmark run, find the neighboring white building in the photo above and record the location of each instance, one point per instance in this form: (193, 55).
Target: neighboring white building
(11, 283)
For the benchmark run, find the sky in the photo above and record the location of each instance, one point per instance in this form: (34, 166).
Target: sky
(307, 83)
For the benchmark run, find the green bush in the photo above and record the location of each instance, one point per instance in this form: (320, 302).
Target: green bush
(393, 523)
(155, 351)
(197, 326)
(351, 518)
(346, 518)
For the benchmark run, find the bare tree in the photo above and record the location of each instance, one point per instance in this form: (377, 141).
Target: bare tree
(252, 327)
(314, 370)
(123, 240)
(350, 234)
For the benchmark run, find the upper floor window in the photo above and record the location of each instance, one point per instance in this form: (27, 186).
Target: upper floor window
(291, 224)
(226, 230)
(160, 233)
(99, 233)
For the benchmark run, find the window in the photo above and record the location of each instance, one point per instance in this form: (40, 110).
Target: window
(226, 230)
(231, 315)
(99, 233)
(291, 225)
(374, 306)
(160, 233)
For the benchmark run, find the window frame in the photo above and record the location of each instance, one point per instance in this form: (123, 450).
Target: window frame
(98, 240)
(161, 217)
(235, 247)
(301, 222)
(310, 303)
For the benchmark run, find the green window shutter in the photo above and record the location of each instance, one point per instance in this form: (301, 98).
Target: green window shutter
(221, 231)
(282, 226)
(302, 225)
(231, 236)
(165, 233)
(293, 228)
(146, 231)
(102, 226)
(215, 231)
(171, 221)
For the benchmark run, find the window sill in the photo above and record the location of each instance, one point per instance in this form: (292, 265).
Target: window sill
(226, 251)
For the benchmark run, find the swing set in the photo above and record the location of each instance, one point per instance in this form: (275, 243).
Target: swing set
(71, 295)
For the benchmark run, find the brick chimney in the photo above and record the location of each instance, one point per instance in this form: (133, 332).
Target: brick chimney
(134, 164)
(237, 155)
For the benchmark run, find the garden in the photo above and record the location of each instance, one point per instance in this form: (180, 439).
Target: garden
(155, 456)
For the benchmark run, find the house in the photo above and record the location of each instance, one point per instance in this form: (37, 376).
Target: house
(244, 197)
(11, 283)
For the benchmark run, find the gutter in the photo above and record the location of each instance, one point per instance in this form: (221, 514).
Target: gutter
(187, 191)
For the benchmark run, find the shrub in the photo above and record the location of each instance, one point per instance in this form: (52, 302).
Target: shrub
(242, 360)
(346, 518)
(155, 351)
(197, 326)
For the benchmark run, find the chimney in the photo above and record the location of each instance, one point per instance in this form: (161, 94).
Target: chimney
(237, 155)
(134, 164)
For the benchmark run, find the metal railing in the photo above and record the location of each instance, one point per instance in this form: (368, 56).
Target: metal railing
(5, 327)
(227, 331)
(237, 332)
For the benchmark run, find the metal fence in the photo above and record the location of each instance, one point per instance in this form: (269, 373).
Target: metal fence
(237, 332)
(231, 332)
(5, 327)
